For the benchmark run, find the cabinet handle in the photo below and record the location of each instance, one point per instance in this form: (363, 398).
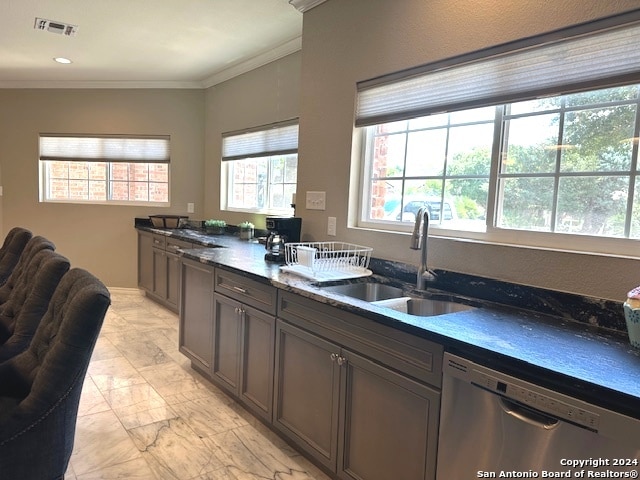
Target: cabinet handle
(342, 361)
(240, 289)
(334, 357)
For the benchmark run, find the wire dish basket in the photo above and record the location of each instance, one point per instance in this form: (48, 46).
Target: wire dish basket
(327, 260)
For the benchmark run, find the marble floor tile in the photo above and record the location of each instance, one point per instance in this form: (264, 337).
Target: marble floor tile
(114, 373)
(92, 401)
(104, 349)
(100, 441)
(173, 450)
(136, 469)
(208, 417)
(145, 414)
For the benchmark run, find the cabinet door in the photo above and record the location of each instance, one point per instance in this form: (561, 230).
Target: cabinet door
(306, 392)
(145, 261)
(160, 273)
(196, 314)
(173, 280)
(227, 327)
(256, 372)
(388, 424)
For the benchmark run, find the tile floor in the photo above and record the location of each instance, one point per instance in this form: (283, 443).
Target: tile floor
(145, 414)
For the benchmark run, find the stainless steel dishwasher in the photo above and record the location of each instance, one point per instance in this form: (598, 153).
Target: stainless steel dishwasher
(493, 425)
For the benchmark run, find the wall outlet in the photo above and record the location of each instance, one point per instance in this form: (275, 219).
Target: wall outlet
(316, 200)
(331, 226)
(191, 208)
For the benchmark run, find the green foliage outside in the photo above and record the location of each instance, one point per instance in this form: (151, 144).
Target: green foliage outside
(596, 139)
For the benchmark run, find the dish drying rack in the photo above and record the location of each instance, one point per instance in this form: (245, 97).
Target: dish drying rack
(323, 261)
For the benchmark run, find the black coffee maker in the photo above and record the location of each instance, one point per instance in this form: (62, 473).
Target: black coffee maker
(281, 230)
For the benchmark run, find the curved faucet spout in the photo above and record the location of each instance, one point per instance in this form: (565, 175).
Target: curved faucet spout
(419, 242)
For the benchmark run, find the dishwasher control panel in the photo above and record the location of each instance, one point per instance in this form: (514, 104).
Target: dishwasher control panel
(535, 399)
(530, 395)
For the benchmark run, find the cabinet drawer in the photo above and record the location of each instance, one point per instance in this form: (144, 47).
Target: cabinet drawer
(159, 241)
(409, 354)
(247, 291)
(172, 245)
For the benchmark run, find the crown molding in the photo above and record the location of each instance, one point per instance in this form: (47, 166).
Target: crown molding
(304, 5)
(272, 55)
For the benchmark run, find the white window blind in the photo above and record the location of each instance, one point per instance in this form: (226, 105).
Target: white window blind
(275, 139)
(147, 149)
(605, 55)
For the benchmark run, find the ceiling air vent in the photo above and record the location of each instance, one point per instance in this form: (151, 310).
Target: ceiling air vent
(55, 27)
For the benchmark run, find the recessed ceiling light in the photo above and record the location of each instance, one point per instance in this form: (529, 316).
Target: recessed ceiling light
(62, 60)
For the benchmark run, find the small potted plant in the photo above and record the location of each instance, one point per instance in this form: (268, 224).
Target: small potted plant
(246, 230)
(216, 227)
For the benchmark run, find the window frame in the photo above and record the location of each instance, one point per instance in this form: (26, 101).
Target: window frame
(265, 142)
(399, 83)
(559, 241)
(88, 156)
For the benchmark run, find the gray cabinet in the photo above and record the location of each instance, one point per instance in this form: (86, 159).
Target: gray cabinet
(388, 423)
(347, 392)
(243, 340)
(307, 383)
(159, 267)
(145, 260)
(196, 314)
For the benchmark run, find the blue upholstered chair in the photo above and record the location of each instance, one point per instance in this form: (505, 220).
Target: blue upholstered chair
(11, 249)
(40, 388)
(33, 246)
(21, 314)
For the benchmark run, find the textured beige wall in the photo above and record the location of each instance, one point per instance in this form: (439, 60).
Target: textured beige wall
(96, 237)
(265, 95)
(348, 41)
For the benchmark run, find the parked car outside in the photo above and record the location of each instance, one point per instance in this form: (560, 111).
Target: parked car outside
(411, 208)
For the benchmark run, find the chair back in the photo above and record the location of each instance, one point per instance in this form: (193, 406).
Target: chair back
(11, 249)
(33, 246)
(29, 300)
(40, 388)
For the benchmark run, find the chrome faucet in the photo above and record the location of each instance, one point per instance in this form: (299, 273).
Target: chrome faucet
(419, 242)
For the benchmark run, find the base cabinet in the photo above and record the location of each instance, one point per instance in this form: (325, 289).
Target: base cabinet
(145, 260)
(307, 387)
(357, 418)
(388, 423)
(159, 268)
(196, 314)
(243, 339)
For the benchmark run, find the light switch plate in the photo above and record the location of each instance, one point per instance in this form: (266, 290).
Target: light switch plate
(190, 208)
(331, 226)
(316, 200)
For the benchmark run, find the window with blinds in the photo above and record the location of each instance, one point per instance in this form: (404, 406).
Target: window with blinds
(515, 144)
(260, 168)
(104, 169)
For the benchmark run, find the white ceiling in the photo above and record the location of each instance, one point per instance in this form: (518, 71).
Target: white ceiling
(143, 43)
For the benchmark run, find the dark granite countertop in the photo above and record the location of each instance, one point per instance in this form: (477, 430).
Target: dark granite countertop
(578, 359)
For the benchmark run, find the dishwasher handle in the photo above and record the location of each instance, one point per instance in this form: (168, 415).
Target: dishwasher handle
(528, 415)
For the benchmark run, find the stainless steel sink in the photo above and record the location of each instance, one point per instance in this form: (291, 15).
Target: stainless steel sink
(394, 298)
(369, 292)
(427, 307)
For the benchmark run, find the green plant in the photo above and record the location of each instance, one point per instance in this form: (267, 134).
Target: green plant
(215, 223)
(245, 225)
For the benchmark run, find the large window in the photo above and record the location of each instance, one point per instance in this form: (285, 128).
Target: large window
(104, 169)
(495, 149)
(260, 168)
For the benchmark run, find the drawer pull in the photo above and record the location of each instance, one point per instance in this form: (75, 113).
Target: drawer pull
(240, 289)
